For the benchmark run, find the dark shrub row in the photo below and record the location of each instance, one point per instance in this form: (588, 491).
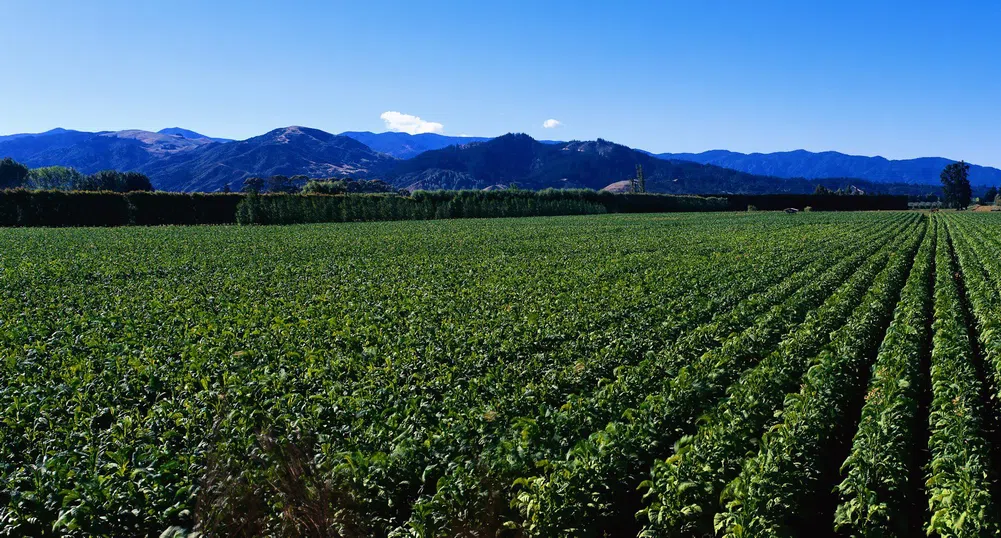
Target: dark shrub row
(59, 208)
(423, 205)
(84, 208)
(170, 208)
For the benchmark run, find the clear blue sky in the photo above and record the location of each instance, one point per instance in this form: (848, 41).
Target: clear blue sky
(898, 79)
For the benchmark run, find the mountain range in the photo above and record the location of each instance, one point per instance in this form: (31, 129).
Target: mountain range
(520, 159)
(289, 151)
(178, 159)
(809, 165)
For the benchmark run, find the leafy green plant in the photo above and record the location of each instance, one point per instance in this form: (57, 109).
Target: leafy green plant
(960, 502)
(877, 494)
(684, 488)
(777, 490)
(493, 377)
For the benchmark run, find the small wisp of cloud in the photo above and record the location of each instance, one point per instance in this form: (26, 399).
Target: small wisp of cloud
(405, 123)
(551, 124)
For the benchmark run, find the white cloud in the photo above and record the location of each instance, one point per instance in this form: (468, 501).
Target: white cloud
(405, 123)
(551, 123)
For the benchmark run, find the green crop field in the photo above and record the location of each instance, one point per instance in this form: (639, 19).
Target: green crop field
(740, 375)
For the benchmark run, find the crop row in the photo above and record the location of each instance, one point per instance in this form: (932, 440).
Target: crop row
(878, 494)
(552, 431)
(520, 394)
(777, 490)
(959, 497)
(684, 489)
(584, 493)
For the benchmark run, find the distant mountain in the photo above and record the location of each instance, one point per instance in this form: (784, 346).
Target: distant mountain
(190, 134)
(91, 152)
(179, 159)
(806, 164)
(405, 146)
(288, 151)
(26, 147)
(56, 131)
(518, 158)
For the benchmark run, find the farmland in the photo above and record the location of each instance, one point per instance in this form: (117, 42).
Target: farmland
(729, 374)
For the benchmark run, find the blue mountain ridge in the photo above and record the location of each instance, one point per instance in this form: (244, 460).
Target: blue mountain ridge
(810, 165)
(181, 159)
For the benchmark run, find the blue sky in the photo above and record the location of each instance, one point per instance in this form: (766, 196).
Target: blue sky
(898, 79)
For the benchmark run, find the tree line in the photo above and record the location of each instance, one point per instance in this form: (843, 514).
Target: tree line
(433, 205)
(14, 175)
(279, 184)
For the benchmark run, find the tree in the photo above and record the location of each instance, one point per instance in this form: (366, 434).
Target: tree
(317, 186)
(226, 188)
(105, 180)
(640, 180)
(822, 190)
(54, 178)
(349, 186)
(378, 185)
(253, 185)
(989, 197)
(956, 185)
(114, 181)
(280, 183)
(12, 174)
(134, 181)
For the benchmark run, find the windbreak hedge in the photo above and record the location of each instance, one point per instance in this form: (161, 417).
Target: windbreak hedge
(84, 208)
(87, 208)
(55, 208)
(423, 205)
(149, 208)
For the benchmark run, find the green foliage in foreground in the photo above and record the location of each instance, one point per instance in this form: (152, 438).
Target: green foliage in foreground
(507, 377)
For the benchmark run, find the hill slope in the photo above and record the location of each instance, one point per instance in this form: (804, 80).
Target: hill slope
(178, 159)
(287, 151)
(806, 164)
(91, 152)
(518, 158)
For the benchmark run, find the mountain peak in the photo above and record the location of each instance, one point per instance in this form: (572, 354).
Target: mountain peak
(189, 134)
(284, 135)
